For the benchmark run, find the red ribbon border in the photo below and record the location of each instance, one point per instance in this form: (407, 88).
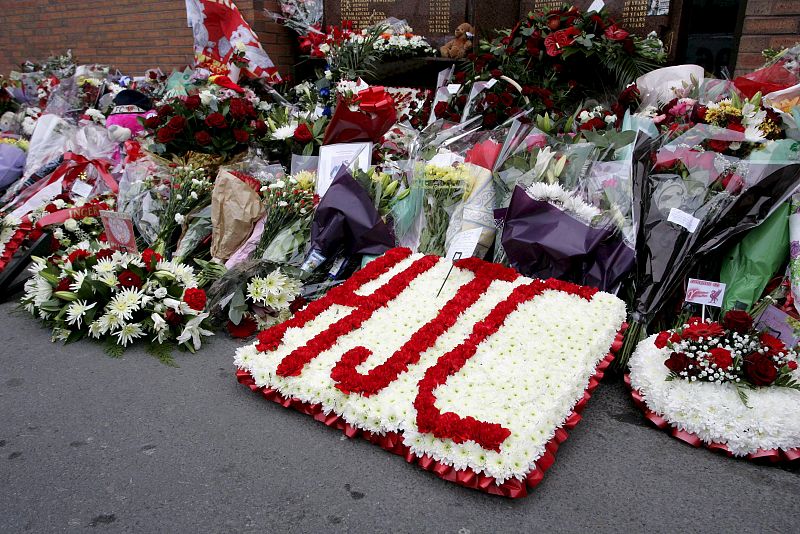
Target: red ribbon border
(392, 441)
(657, 420)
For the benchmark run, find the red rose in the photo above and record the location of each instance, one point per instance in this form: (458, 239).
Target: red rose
(104, 253)
(260, 127)
(216, 120)
(557, 41)
(699, 113)
(78, 254)
(733, 183)
(721, 357)
(718, 145)
(759, 369)
(595, 123)
(496, 73)
(165, 135)
(701, 329)
(490, 119)
(241, 136)
(152, 122)
(736, 127)
(176, 123)
(615, 33)
(164, 110)
(172, 317)
(129, 279)
(150, 258)
(440, 109)
(302, 134)
(661, 340)
(202, 137)
(533, 46)
(792, 365)
(460, 76)
(192, 102)
(63, 284)
(241, 108)
(246, 328)
(507, 99)
(195, 298)
(492, 99)
(772, 343)
(738, 321)
(51, 208)
(678, 362)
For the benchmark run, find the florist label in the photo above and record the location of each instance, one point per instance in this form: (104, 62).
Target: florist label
(480, 378)
(705, 292)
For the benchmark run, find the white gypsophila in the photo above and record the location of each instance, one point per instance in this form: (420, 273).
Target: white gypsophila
(556, 195)
(528, 376)
(714, 411)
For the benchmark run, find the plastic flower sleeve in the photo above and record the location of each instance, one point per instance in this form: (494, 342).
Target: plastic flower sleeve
(365, 118)
(198, 229)
(749, 266)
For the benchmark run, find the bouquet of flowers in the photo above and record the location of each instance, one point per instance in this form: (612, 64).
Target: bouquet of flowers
(693, 199)
(361, 116)
(732, 351)
(74, 221)
(117, 298)
(303, 16)
(557, 59)
(214, 121)
(289, 203)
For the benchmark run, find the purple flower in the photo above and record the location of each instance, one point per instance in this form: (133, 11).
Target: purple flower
(794, 250)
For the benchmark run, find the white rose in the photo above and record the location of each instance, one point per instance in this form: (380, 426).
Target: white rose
(71, 225)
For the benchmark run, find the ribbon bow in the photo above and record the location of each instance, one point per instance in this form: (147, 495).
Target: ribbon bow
(374, 99)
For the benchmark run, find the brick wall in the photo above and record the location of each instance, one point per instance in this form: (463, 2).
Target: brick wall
(767, 24)
(131, 35)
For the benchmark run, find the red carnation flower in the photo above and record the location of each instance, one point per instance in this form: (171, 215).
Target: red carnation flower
(241, 136)
(202, 137)
(172, 317)
(165, 135)
(760, 369)
(78, 254)
(192, 102)
(302, 134)
(176, 123)
(129, 279)
(772, 343)
(721, 357)
(701, 329)
(150, 258)
(104, 253)
(216, 120)
(195, 298)
(246, 328)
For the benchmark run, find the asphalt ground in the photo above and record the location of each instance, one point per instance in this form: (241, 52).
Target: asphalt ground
(90, 443)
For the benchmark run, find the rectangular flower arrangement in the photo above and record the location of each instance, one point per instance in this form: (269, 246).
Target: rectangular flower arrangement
(478, 384)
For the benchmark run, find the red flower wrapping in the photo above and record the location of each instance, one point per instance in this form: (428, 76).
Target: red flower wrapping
(373, 118)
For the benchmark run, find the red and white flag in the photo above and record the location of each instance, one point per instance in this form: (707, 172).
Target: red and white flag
(220, 33)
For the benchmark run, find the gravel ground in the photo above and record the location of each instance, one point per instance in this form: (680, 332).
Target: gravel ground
(88, 442)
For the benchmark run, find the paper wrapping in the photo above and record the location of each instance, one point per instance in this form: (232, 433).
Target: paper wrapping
(235, 209)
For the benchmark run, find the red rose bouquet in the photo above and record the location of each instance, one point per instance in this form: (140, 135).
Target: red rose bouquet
(209, 124)
(732, 351)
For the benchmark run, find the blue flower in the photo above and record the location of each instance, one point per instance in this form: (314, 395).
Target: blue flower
(327, 111)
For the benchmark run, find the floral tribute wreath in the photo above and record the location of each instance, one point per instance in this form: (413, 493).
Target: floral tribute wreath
(732, 390)
(479, 384)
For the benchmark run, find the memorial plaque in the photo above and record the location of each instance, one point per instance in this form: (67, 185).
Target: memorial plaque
(436, 20)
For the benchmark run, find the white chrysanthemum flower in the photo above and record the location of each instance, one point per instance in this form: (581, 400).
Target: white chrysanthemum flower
(284, 132)
(76, 310)
(78, 278)
(128, 333)
(96, 329)
(110, 321)
(104, 265)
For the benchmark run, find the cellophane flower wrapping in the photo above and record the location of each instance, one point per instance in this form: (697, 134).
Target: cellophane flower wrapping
(779, 73)
(694, 193)
(753, 261)
(12, 163)
(364, 117)
(346, 219)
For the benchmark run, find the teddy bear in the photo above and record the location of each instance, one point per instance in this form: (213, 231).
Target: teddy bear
(459, 47)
